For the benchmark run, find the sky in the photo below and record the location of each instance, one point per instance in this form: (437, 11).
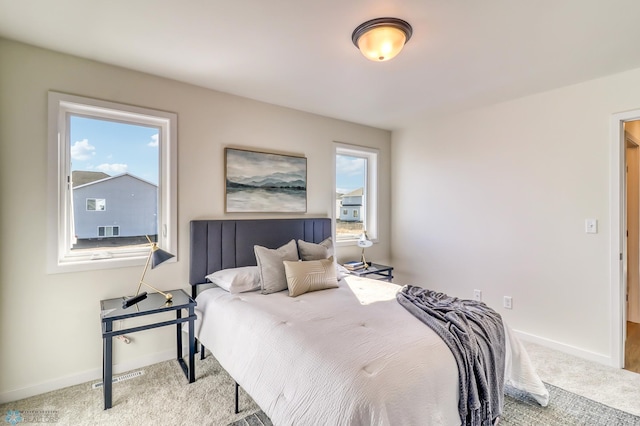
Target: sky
(114, 148)
(349, 173)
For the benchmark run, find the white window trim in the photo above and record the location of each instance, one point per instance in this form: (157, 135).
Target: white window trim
(371, 207)
(60, 106)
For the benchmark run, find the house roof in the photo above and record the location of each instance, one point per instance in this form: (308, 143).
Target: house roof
(354, 193)
(82, 177)
(300, 55)
(112, 178)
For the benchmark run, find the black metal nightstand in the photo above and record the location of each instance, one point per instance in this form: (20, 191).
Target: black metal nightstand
(112, 310)
(382, 272)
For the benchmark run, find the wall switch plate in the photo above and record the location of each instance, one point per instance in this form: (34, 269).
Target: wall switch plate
(477, 295)
(508, 302)
(591, 226)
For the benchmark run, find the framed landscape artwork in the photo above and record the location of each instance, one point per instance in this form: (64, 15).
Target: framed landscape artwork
(263, 182)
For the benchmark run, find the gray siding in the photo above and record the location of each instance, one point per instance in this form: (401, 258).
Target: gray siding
(131, 205)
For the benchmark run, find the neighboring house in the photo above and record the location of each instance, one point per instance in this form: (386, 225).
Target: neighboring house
(351, 206)
(115, 206)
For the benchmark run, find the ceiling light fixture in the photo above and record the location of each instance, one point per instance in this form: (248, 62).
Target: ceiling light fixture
(381, 39)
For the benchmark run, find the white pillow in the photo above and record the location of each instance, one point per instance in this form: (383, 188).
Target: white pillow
(272, 277)
(341, 271)
(237, 280)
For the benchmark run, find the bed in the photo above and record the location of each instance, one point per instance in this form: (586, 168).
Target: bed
(349, 355)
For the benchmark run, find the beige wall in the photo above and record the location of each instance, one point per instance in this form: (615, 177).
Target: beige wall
(49, 324)
(501, 206)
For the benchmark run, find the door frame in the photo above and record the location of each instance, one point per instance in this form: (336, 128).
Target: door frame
(632, 157)
(618, 247)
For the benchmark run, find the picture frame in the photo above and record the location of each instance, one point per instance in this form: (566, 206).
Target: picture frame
(262, 182)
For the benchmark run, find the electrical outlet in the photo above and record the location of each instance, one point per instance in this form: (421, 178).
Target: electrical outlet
(508, 302)
(477, 295)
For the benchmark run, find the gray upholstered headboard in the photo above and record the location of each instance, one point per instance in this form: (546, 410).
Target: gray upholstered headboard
(221, 244)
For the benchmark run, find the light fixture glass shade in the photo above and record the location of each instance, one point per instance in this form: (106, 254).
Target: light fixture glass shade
(381, 39)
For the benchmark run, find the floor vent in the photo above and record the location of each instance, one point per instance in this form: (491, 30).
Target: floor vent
(120, 378)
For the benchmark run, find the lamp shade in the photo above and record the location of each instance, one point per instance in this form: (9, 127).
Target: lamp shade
(159, 256)
(381, 39)
(364, 240)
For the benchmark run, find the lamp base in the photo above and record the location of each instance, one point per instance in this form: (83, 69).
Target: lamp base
(133, 300)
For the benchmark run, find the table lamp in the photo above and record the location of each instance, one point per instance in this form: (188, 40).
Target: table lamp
(364, 242)
(156, 257)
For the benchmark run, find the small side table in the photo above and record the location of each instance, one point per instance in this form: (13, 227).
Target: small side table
(382, 272)
(112, 310)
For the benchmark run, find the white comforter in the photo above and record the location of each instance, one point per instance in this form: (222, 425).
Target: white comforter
(346, 356)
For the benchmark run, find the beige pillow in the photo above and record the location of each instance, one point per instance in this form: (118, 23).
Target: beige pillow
(312, 275)
(272, 277)
(312, 251)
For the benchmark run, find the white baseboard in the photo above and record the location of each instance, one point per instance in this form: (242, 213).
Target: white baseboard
(87, 376)
(568, 349)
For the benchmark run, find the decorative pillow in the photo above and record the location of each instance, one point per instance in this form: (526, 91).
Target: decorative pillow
(272, 277)
(311, 251)
(311, 275)
(341, 271)
(237, 280)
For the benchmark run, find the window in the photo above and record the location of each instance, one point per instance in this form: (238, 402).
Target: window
(108, 231)
(96, 204)
(356, 192)
(101, 151)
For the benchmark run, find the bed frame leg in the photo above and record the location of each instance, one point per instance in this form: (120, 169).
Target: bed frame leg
(237, 411)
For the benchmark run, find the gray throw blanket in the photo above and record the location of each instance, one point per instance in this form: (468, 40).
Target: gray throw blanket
(475, 335)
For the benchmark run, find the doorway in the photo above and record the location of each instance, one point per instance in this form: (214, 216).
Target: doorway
(618, 237)
(632, 215)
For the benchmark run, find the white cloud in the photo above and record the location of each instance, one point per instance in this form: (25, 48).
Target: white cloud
(349, 166)
(154, 141)
(112, 169)
(82, 150)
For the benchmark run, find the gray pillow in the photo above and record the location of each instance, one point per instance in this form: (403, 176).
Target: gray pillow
(311, 251)
(272, 276)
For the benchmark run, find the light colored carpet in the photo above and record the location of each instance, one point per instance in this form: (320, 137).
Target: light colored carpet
(614, 387)
(564, 409)
(162, 395)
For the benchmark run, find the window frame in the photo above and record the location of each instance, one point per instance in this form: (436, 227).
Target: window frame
(60, 107)
(370, 191)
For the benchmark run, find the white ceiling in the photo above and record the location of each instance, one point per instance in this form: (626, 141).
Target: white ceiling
(299, 54)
